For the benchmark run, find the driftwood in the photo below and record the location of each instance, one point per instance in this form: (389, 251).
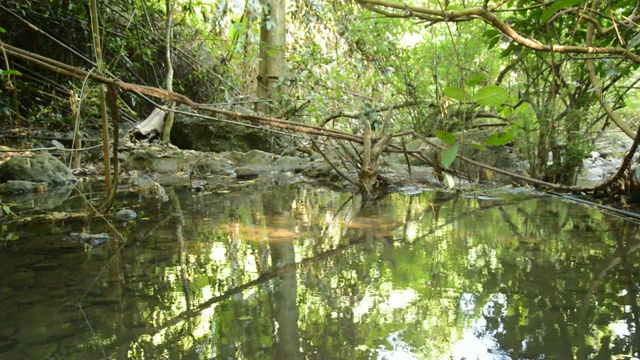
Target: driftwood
(153, 123)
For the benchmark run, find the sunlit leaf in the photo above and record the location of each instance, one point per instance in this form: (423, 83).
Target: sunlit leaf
(449, 181)
(454, 7)
(492, 95)
(476, 80)
(456, 93)
(445, 136)
(499, 139)
(448, 156)
(557, 5)
(200, 282)
(489, 174)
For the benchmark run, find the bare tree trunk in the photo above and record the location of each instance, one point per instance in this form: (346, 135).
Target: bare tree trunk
(368, 175)
(168, 123)
(273, 61)
(93, 7)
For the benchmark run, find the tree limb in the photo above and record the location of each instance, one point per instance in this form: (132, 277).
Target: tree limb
(500, 25)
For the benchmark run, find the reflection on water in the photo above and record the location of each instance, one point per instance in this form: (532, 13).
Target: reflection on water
(295, 272)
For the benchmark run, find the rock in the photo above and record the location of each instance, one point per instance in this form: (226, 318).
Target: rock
(149, 159)
(89, 239)
(206, 135)
(209, 166)
(496, 156)
(145, 185)
(57, 144)
(125, 214)
(21, 187)
(245, 173)
(141, 181)
(291, 163)
(38, 168)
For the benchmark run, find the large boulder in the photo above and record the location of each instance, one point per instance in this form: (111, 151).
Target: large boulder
(194, 133)
(39, 168)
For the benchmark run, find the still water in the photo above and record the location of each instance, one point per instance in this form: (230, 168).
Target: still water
(300, 272)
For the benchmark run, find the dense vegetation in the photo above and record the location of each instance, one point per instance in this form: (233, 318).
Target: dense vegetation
(548, 75)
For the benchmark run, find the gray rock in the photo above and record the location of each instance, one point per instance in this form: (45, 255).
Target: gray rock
(21, 187)
(125, 214)
(206, 135)
(28, 195)
(245, 173)
(291, 163)
(38, 168)
(89, 239)
(146, 186)
(57, 144)
(141, 181)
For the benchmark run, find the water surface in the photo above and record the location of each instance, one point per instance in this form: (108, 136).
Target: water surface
(297, 272)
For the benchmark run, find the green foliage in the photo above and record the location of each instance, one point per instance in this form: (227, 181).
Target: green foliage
(6, 208)
(445, 136)
(10, 72)
(499, 139)
(449, 155)
(476, 80)
(556, 6)
(343, 59)
(491, 95)
(456, 93)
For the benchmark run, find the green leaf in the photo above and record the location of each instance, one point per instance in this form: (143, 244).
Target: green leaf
(557, 5)
(476, 80)
(448, 156)
(456, 93)
(635, 41)
(445, 136)
(499, 139)
(200, 282)
(454, 7)
(6, 209)
(492, 95)
(475, 145)
(11, 72)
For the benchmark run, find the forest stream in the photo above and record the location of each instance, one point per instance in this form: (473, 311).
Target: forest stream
(304, 272)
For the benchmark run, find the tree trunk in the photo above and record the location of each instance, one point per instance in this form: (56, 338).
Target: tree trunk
(95, 29)
(168, 123)
(273, 61)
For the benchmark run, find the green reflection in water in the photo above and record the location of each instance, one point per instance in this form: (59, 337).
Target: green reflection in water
(299, 272)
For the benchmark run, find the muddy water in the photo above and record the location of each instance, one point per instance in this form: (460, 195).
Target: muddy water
(296, 272)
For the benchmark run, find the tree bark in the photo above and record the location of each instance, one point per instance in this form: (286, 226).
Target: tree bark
(97, 48)
(273, 62)
(168, 123)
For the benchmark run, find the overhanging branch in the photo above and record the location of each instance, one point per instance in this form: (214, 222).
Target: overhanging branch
(488, 16)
